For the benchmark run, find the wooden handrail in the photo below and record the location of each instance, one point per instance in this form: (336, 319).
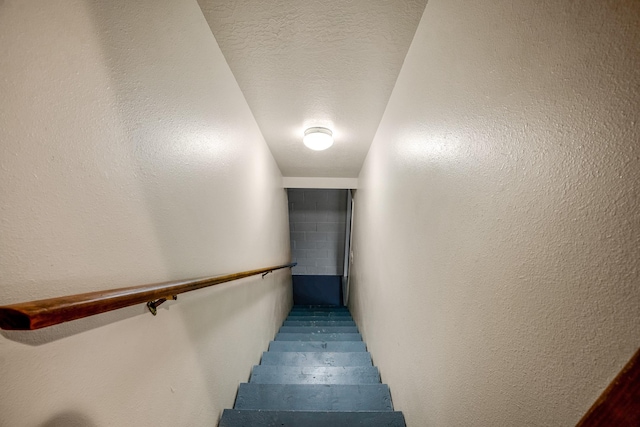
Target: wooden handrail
(47, 312)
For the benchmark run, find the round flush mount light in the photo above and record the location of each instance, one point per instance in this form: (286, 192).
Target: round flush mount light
(318, 138)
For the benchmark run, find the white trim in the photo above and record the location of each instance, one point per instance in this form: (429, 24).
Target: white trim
(319, 182)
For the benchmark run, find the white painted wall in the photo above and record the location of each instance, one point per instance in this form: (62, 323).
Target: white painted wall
(128, 155)
(497, 216)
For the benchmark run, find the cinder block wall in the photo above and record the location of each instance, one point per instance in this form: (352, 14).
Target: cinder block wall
(317, 223)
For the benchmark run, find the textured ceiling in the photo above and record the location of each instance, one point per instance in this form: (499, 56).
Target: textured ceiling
(303, 63)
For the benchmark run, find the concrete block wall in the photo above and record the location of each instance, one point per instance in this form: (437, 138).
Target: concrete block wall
(317, 221)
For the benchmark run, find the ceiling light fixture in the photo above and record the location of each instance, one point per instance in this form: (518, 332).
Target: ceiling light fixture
(318, 138)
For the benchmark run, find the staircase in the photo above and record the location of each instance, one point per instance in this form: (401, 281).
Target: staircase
(316, 373)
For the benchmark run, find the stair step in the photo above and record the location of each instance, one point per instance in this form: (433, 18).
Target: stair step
(264, 374)
(319, 323)
(326, 358)
(315, 346)
(318, 319)
(320, 313)
(318, 330)
(314, 397)
(321, 307)
(317, 337)
(250, 418)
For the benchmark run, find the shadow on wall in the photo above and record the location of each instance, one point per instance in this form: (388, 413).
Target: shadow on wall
(167, 114)
(228, 291)
(222, 309)
(64, 330)
(69, 418)
(130, 81)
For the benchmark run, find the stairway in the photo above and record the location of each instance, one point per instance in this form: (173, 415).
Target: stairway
(316, 373)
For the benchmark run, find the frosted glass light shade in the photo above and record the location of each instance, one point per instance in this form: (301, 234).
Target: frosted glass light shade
(318, 138)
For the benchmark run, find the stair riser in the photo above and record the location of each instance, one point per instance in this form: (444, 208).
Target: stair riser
(319, 323)
(316, 359)
(318, 330)
(320, 313)
(317, 337)
(318, 319)
(262, 374)
(331, 346)
(246, 418)
(372, 397)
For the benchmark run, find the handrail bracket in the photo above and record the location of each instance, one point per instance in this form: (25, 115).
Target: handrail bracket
(153, 305)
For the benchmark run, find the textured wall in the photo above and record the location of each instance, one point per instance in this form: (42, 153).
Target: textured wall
(498, 213)
(317, 229)
(128, 155)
